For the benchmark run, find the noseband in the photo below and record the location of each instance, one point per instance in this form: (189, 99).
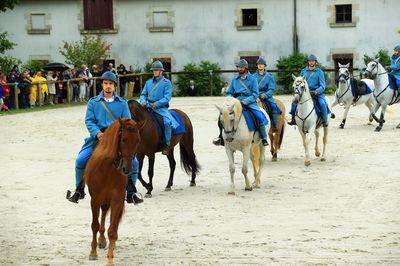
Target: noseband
(118, 161)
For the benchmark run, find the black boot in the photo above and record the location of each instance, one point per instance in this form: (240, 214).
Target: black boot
(264, 142)
(293, 121)
(219, 141)
(78, 194)
(135, 198)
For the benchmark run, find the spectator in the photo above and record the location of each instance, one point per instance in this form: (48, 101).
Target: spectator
(41, 88)
(96, 73)
(89, 81)
(5, 91)
(13, 77)
(82, 86)
(110, 67)
(131, 83)
(25, 88)
(191, 91)
(123, 81)
(75, 85)
(224, 88)
(51, 79)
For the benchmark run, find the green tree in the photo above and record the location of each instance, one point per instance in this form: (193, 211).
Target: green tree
(289, 65)
(7, 4)
(201, 75)
(34, 65)
(383, 56)
(7, 62)
(90, 50)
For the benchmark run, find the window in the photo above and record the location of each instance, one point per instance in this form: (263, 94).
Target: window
(38, 21)
(249, 17)
(343, 59)
(252, 60)
(166, 61)
(98, 14)
(343, 13)
(160, 19)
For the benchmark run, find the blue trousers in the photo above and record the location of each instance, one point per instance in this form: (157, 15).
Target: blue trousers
(392, 81)
(168, 130)
(83, 158)
(274, 109)
(323, 109)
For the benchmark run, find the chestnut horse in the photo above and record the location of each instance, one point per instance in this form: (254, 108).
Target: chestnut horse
(150, 144)
(106, 176)
(276, 136)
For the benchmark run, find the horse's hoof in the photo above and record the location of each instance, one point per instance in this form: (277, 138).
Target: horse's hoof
(274, 159)
(333, 116)
(378, 129)
(256, 186)
(167, 189)
(317, 153)
(249, 189)
(398, 126)
(92, 257)
(102, 245)
(148, 195)
(307, 163)
(341, 126)
(323, 159)
(232, 193)
(192, 184)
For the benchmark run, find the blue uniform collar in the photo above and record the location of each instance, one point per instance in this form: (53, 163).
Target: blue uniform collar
(394, 57)
(157, 79)
(101, 96)
(258, 72)
(238, 76)
(308, 68)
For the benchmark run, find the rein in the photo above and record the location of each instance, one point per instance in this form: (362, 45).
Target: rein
(233, 131)
(118, 161)
(297, 110)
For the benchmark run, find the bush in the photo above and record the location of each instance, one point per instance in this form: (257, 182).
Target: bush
(34, 65)
(383, 56)
(201, 80)
(7, 62)
(289, 65)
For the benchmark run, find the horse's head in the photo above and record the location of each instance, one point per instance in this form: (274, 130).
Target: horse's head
(137, 110)
(344, 73)
(300, 88)
(230, 113)
(129, 138)
(372, 69)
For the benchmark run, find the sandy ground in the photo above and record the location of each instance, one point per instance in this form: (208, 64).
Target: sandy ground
(342, 211)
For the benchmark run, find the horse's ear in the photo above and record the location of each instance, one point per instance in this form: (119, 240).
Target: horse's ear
(340, 65)
(141, 124)
(347, 65)
(377, 58)
(121, 121)
(294, 77)
(304, 77)
(219, 108)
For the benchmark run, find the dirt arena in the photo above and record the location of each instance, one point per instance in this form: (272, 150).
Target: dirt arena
(342, 211)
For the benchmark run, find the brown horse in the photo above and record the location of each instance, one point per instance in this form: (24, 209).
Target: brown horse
(106, 176)
(150, 144)
(276, 134)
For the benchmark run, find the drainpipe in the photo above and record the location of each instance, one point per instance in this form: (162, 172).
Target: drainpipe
(295, 37)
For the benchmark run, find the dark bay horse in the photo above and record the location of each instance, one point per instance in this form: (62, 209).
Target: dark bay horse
(106, 176)
(150, 144)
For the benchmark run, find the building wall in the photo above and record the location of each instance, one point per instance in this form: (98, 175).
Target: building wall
(206, 30)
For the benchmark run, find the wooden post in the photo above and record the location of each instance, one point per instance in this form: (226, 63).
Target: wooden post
(16, 105)
(118, 86)
(141, 84)
(94, 88)
(210, 72)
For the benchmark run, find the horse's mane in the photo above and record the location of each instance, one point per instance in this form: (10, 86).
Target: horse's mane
(137, 104)
(108, 146)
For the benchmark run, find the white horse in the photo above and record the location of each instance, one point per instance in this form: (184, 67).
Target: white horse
(344, 96)
(237, 137)
(307, 119)
(383, 95)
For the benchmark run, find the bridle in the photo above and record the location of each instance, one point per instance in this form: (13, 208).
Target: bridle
(118, 161)
(372, 76)
(345, 77)
(232, 123)
(300, 93)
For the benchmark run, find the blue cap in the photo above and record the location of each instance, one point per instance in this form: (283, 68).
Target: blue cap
(242, 63)
(397, 48)
(261, 61)
(157, 65)
(108, 75)
(312, 57)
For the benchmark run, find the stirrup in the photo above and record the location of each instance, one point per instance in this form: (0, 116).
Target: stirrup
(292, 122)
(165, 150)
(218, 141)
(264, 142)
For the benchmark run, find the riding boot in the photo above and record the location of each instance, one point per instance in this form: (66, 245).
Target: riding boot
(293, 112)
(293, 121)
(219, 141)
(78, 194)
(263, 135)
(168, 133)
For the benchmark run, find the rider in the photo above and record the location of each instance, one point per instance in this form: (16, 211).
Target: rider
(316, 82)
(156, 96)
(97, 120)
(394, 68)
(244, 87)
(266, 84)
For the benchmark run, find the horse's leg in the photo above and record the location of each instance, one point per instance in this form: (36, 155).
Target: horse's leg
(346, 111)
(117, 208)
(377, 106)
(325, 141)
(95, 228)
(306, 142)
(229, 153)
(140, 158)
(246, 157)
(150, 173)
(102, 243)
(255, 155)
(271, 140)
(317, 152)
(382, 118)
(172, 165)
(261, 164)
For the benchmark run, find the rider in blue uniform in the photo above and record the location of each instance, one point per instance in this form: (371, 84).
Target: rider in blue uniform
(266, 85)
(156, 96)
(394, 69)
(244, 87)
(97, 120)
(316, 83)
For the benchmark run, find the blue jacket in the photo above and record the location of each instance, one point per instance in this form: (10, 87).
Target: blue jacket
(266, 84)
(97, 119)
(395, 66)
(315, 79)
(249, 94)
(160, 96)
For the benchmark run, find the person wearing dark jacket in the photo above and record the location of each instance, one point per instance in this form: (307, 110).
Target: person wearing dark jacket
(191, 90)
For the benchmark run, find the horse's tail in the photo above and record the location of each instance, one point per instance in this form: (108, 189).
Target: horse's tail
(188, 158)
(281, 135)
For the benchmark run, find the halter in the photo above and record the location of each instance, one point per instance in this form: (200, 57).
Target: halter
(375, 66)
(232, 122)
(118, 161)
(346, 77)
(297, 91)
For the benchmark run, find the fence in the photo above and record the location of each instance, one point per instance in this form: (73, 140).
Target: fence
(141, 77)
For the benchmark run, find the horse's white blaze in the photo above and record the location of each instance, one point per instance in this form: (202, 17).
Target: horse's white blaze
(241, 139)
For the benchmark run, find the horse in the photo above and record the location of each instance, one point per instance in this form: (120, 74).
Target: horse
(276, 136)
(383, 95)
(307, 119)
(106, 176)
(344, 96)
(151, 144)
(238, 137)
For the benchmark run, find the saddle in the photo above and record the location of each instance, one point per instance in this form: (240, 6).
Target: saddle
(159, 121)
(251, 119)
(268, 108)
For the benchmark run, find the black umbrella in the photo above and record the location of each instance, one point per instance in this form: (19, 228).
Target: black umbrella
(56, 67)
